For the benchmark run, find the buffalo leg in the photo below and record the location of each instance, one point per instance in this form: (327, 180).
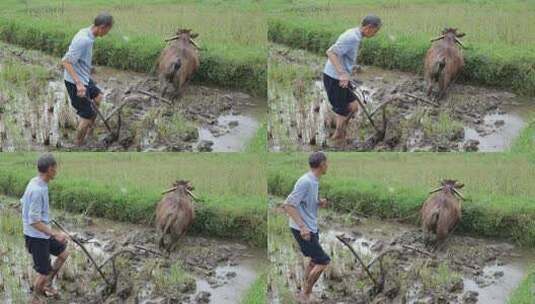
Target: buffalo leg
(172, 244)
(429, 89)
(161, 243)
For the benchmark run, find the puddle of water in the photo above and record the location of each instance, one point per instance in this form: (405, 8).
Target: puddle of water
(237, 137)
(245, 273)
(497, 293)
(504, 135)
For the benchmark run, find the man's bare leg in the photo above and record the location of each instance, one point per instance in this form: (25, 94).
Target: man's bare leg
(81, 131)
(311, 280)
(97, 101)
(339, 132)
(308, 269)
(40, 283)
(58, 263)
(342, 122)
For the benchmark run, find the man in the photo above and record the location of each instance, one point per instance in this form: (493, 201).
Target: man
(342, 57)
(77, 75)
(302, 208)
(41, 240)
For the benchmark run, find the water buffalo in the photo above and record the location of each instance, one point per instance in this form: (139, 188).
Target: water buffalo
(443, 61)
(178, 62)
(441, 212)
(175, 213)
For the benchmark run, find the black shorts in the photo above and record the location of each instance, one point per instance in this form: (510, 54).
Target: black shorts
(41, 249)
(339, 97)
(82, 105)
(312, 248)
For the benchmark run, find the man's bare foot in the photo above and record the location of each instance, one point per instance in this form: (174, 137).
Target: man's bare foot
(50, 292)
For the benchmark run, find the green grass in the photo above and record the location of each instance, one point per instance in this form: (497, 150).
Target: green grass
(500, 44)
(232, 34)
(525, 293)
(499, 187)
(256, 294)
(19, 75)
(258, 144)
(126, 187)
(525, 142)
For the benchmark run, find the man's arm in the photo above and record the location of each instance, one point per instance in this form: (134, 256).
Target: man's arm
(37, 222)
(342, 46)
(342, 74)
(290, 206)
(73, 55)
(292, 212)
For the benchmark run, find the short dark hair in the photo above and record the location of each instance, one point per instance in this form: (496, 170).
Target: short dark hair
(103, 18)
(315, 159)
(372, 20)
(45, 161)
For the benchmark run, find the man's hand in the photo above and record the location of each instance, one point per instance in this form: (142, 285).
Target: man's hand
(60, 237)
(344, 80)
(305, 233)
(80, 89)
(323, 203)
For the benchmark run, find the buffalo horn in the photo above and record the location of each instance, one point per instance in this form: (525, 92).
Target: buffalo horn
(437, 38)
(192, 195)
(459, 42)
(193, 42)
(171, 38)
(169, 190)
(436, 190)
(458, 193)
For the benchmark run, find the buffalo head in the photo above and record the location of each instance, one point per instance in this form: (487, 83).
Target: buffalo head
(450, 185)
(450, 33)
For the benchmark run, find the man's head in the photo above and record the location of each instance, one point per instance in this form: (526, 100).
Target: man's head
(370, 25)
(46, 165)
(102, 24)
(318, 163)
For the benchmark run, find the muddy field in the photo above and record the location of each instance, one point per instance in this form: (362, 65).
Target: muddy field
(38, 115)
(201, 270)
(465, 270)
(470, 118)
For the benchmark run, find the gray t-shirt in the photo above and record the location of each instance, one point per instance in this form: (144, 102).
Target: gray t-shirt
(80, 55)
(35, 207)
(305, 197)
(346, 47)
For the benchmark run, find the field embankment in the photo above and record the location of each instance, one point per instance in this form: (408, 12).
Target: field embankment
(500, 46)
(232, 36)
(126, 187)
(498, 187)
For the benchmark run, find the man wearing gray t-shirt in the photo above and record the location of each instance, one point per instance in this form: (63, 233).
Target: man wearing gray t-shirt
(342, 56)
(78, 64)
(41, 241)
(302, 208)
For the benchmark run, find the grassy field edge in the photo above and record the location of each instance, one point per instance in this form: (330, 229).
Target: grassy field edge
(525, 293)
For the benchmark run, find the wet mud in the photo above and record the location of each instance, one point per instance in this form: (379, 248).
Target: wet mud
(470, 118)
(464, 270)
(203, 119)
(200, 270)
